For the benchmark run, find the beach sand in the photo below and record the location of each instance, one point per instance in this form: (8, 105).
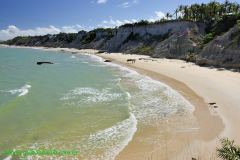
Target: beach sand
(200, 86)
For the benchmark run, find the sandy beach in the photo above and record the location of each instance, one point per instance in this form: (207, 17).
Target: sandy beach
(200, 86)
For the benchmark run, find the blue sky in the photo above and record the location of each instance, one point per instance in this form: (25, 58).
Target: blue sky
(49, 16)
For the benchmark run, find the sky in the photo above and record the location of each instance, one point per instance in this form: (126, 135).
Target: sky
(39, 17)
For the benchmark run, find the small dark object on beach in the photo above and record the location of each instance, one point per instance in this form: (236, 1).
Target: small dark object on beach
(131, 60)
(194, 159)
(40, 63)
(213, 103)
(215, 106)
(107, 60)
(102, 51)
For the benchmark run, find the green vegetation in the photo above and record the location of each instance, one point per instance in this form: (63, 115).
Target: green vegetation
(146, 50)
(66, 37)
(208, 13)
(89, 37)
(228, 150)
(208, 38)
(140, 23)
(19, 40)
(219, 17)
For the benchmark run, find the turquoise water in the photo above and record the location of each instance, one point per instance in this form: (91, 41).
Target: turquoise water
(77, 103)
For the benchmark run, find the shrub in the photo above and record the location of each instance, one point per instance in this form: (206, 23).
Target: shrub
(89, 37)
(141, 23)
(228, 150)
(208, 38)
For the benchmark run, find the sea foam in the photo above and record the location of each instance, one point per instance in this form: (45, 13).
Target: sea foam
(113, 139)
(152, 100)
(21, 91)
(89, 95)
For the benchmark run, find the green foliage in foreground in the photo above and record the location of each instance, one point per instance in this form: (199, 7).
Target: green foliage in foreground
(228, 150)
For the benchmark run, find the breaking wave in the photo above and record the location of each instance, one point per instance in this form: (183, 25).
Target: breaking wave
(91, 95)
(21, 91)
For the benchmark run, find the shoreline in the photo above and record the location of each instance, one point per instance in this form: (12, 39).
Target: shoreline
(213, 122)
(210, 125)
(200, 86)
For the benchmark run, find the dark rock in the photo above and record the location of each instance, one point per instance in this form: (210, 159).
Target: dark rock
(213, 103)
(40, 63)
(107, 60)
(102, 51)
(131, 60)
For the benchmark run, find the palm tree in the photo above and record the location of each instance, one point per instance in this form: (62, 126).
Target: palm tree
(226, 6)
(235, 8)
(180, 9)
(185, 12)
(176, 13)
(168, 15)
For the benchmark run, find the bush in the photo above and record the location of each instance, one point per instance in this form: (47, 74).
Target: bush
(228, 150)
(208, 38)
(89, 37)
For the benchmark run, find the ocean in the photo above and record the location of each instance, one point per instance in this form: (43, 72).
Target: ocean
(78, 103)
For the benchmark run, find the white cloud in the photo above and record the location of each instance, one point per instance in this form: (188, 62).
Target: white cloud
(158, 15)
(101, 1)
(13, 31)
(135, 1)
(115, 23)
(125, 5)
(128, 4)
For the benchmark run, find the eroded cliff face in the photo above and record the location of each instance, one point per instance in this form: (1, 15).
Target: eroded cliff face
(129, 38)
(224, 50)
